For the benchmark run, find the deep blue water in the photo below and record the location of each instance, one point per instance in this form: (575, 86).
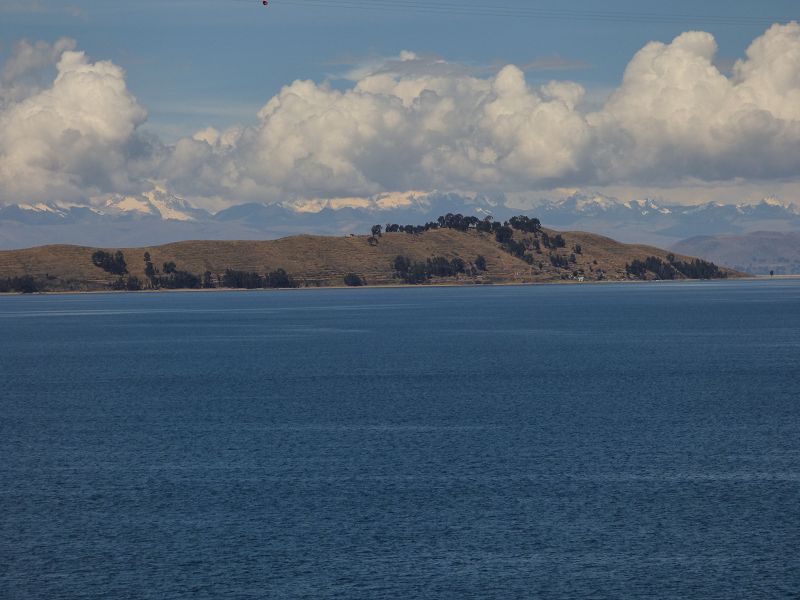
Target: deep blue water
(596, 441)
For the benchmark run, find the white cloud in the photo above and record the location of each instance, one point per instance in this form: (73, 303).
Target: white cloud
(72, 138)
(391, 132)
(677, 117)
(422, 123)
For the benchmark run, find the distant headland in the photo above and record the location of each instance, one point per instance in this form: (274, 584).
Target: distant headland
(454, 249)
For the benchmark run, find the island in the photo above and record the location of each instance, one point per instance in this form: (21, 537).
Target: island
(454, 249)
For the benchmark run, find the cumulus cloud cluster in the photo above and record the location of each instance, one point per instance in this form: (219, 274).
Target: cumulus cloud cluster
(414, 124)
(71, 138)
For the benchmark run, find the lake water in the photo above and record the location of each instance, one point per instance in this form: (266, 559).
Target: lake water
(595, 441)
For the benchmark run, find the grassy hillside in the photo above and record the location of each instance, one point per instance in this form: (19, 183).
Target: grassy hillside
(324, 261)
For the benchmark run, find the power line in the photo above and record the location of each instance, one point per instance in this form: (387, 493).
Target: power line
(504, 11)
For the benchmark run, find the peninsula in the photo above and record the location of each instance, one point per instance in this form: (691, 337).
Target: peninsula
(452, 250)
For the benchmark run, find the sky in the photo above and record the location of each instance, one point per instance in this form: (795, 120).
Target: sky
(225, 101)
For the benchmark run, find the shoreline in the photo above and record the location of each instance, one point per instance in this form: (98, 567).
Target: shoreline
(408, 286)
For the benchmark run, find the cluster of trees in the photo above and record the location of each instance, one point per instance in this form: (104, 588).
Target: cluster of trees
(699, 269)
(672, 268)
(130, 284)
(354, 280)
(437, 266)
(555, 242)
(395, 228)
(245, 280)
(518, 249)
(461, 222)
(169, 277)
(180, 280)
(503, 232)
(449, 221)
(559, 261)
(525, 248)
(653, 264)
(526, 224)
(116, 265)
(111, 263)
(248, 280)
(25, 284)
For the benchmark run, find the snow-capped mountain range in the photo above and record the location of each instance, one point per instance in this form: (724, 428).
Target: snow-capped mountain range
(651, 222)
(159, 217)
(154, 204)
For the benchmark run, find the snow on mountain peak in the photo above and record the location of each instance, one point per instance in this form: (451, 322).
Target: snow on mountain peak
(130, 204)
(169, 206)
(596, 201)
(155, 203)
(777, 203)
(41, 207)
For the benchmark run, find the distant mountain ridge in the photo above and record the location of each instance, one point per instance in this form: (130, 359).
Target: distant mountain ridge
(156, 204)
(159, 217)
(649, 221)
(760, 252)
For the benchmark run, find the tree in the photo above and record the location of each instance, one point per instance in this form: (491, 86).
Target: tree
(169, 267)
(25, 284)
(149, 269)
(480, 262)
(515, 248)
(485, 225)
(376, 231)
(418, 273)
(558, 261)
(353, 280)
(401, 264)
(179, 280)
(503, 234)
(242, 280)
(696, 269)
(114, 264)
(526, 224)
(119, 261)
(279, 278)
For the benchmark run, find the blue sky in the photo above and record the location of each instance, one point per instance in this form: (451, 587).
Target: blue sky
(194, 63)
(168, 93)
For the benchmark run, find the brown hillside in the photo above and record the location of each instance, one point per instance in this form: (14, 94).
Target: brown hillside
(323, 261)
